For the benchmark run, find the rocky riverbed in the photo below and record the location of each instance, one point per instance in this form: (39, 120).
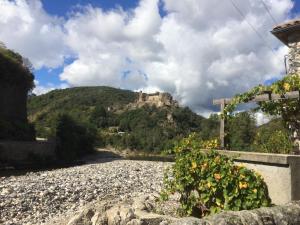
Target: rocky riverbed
(38, 197)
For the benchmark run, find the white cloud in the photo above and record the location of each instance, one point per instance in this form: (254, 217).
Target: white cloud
(262, 118)
(28, 29)
(199, 51)
(43, 89)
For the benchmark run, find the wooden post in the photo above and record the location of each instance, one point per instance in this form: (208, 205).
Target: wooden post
(222, 126)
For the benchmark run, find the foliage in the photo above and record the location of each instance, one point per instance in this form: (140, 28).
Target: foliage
(74, 140)
(240, 131)
(287, 108)
(210, 127)
(15, 70)
(146, 128)
(99, 117)
(211, 182)
(211, 144)
(273, 138)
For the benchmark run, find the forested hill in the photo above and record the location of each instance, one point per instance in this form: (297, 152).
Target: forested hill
(77, 101)
(117, 120)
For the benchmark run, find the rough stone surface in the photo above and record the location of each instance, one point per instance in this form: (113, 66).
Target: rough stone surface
(132, 211)
(36, 197)
(156, 99)
(294, 53)
(142, 211)
(279, 215)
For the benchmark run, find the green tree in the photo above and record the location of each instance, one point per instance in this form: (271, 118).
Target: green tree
(273, 137)
(99, 117)
(241, 130)
(73, 139)
(16, 75)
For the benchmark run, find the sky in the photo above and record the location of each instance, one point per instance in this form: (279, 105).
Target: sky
(197, 50)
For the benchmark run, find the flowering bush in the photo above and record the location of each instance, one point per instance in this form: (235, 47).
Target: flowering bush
(211, 144)
(211, 182)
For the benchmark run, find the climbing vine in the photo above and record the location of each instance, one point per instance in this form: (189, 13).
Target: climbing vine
(288, 109)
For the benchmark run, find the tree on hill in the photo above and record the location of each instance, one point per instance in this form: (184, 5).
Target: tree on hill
(99, 117)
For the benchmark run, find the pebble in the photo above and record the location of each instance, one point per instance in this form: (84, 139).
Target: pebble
(36, 197)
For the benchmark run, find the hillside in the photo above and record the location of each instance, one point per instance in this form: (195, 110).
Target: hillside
(79, 102)
(119, 117)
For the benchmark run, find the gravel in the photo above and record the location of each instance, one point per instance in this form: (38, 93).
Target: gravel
(38, 197)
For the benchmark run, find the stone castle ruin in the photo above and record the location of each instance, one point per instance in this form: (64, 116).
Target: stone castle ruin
(157, 99)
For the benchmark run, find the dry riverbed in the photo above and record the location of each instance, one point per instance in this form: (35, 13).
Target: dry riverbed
(38, 197)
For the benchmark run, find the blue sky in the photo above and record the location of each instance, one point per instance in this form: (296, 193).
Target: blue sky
(61, 7)
(296, 7)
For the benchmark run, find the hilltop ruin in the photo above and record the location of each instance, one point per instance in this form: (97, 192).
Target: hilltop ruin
(157, 99)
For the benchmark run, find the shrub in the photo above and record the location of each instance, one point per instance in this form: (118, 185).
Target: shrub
(74, 140)
(211, 182)
(277, 141)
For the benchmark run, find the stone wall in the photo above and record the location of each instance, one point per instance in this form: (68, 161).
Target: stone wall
(294, 53)
(19, 153)
(280, 215)
(157, 99)
(143, 211)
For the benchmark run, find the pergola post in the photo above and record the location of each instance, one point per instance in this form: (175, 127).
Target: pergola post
(222, 125)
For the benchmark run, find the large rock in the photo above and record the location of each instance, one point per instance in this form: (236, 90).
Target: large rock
(141, 211)
(138, 211)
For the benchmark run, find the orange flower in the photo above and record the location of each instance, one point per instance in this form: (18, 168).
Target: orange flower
(217, 176)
